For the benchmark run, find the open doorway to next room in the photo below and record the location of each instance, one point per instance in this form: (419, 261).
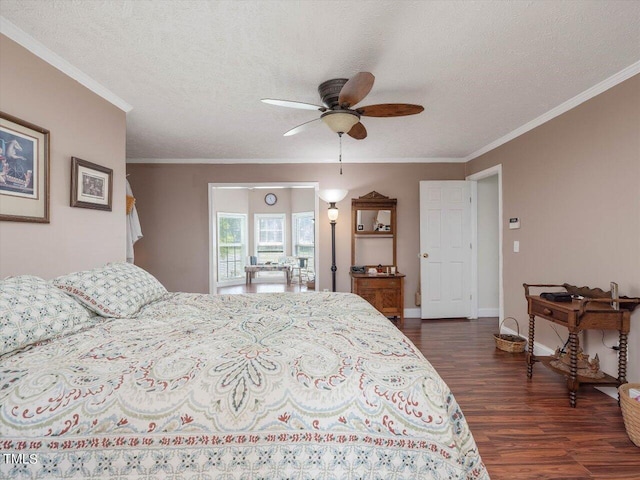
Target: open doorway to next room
(262, 237)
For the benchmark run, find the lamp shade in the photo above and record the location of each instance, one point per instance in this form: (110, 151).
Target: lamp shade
(332, 195)
(333, 212)
(340, 122)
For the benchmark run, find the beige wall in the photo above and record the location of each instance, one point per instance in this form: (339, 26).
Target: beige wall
(83, 125)
(303, 200)
(575, 184)
(173, 208)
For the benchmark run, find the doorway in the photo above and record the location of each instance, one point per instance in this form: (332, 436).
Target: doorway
(251, 222)
(461, 273)
(487, 262)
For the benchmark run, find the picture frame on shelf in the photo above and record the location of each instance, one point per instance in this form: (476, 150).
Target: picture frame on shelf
(91, 185)
(24, 171)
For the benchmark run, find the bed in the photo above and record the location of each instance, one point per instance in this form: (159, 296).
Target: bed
(131, 381)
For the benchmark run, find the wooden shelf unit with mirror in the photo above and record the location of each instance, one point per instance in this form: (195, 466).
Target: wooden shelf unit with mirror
(373, 248)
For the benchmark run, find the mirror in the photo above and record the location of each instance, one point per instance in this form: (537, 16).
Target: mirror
(373, 235)
(368, 221)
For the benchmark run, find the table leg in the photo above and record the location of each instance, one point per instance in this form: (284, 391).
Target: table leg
(530, 357)
(622, 361)
(572, 381)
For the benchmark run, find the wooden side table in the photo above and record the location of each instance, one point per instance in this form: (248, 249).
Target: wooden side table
(578, 315)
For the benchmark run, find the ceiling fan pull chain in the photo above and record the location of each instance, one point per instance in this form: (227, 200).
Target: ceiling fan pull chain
(340, 158)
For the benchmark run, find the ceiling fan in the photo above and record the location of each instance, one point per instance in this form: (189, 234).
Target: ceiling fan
(339, 96)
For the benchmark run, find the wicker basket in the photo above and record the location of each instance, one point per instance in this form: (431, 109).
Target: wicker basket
(510, 343)
(630, 412)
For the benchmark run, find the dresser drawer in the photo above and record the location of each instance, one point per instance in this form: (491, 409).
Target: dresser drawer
(385, 282)
(549, 312)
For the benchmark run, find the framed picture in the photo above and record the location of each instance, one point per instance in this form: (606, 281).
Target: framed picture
(91, 185)
(24, 171)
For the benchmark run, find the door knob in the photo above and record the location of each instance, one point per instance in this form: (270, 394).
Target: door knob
(425, 255)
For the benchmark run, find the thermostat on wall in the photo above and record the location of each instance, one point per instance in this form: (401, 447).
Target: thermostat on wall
(514, 223)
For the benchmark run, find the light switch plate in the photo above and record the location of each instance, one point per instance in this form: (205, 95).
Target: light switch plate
(516, 246)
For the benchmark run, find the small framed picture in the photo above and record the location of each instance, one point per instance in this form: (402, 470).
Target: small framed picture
(360, 227)
(24, 171)
(91, 185)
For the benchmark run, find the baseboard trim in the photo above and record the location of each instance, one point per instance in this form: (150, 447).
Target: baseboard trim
(488, 312)
(538, 348)
(611, 391)
(412, 313)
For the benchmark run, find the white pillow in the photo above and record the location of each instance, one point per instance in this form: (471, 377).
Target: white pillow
(116, 290)
(33, 310)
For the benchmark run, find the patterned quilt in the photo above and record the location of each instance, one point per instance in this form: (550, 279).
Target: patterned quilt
(305, 386)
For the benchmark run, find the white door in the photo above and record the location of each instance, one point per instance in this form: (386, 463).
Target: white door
(445, 249)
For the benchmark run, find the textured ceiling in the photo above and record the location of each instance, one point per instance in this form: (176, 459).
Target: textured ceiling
(195, 71)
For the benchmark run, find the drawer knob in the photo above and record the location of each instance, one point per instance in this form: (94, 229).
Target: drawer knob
(547, 311)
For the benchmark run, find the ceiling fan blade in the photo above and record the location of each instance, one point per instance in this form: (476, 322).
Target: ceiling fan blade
(358, 131)
(356, 89)
(390, 110)
(291, 104)
(300, 128)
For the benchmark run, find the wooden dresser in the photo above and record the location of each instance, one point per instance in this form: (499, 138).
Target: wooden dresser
(384, 292)
(373, 247)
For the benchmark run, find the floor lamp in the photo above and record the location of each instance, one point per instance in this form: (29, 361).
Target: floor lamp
(332, 197)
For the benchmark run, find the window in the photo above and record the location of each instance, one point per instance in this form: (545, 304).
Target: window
(270, 237)
(303, 236)
(232, 246)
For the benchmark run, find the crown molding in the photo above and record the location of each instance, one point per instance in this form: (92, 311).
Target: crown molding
(269, 161)
(588, 94)
(38, 49)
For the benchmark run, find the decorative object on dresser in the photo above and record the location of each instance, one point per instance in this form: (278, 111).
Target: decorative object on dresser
(24, 171)
(374, 273)
(91, 185)
(589, 309)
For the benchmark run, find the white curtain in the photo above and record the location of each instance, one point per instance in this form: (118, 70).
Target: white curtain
(134, 232)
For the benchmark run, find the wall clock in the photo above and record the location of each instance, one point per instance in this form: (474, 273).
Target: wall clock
(270, 199)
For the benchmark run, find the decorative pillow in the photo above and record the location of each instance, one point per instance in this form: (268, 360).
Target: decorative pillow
(32, 310)
(116, 290)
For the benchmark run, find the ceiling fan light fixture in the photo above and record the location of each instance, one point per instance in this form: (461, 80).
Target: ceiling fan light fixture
(340, 121)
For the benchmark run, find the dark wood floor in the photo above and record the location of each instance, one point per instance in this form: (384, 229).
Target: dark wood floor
(261, 286)
(525, 429)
